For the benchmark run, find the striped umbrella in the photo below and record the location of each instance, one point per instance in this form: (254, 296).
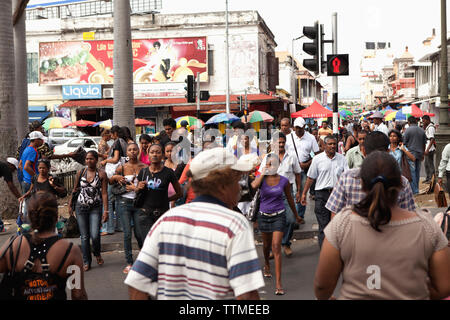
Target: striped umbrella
(390, 116)
(222, 117)
(106, 124)
(258, 116)
(55, 122)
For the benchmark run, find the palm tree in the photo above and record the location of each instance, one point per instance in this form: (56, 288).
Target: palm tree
(20, 55)
(8, 132)
(123, 113)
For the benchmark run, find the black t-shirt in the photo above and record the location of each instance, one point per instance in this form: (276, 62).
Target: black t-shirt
(5, 171)
(156, 193)
(120, 145)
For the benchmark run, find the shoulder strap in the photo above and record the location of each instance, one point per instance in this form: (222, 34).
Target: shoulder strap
(65, 257)
(11, 240)
(295, 147)
(11, 255)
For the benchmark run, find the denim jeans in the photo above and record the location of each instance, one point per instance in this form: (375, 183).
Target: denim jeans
(113, 224)
(89, 221)
(290, 220)
(129, 214)
(416, 177)
(300, 208)
(25, 187)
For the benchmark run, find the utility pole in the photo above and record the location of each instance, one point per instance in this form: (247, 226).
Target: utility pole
(198, 95)
(335, 78)
(294, 71)
(227, 58)
(443, 131)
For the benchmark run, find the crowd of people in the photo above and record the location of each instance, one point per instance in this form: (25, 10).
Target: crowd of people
(194, 211)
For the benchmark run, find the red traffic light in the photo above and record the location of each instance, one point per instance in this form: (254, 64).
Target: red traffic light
(337, 65)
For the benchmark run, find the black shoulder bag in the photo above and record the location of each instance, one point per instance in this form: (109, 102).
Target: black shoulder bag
(139, 200)
(118, 189)
(7, 291)
(77, 191)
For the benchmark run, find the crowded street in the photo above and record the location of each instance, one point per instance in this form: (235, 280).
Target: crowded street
(161, 150)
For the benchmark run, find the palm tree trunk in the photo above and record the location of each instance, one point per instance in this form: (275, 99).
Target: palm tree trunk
(8, 132)
(21, 87)
(123, 113)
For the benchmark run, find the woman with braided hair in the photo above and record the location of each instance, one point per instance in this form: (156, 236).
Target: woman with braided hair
(38, 265)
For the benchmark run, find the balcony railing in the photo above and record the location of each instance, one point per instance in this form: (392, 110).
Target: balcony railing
(89, 8)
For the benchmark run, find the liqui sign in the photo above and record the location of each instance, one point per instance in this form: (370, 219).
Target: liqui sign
(78, 92)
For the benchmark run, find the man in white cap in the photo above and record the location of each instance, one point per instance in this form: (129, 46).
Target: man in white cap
(29, 159)
(203, 249)
(6, 171)
(378, 121)
(302, 145)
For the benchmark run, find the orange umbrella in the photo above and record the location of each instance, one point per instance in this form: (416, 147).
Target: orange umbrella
(143, 122)
(82, 123)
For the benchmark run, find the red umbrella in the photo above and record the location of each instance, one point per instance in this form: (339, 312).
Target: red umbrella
(429, 114)
(143, 122)
(81, 123)
(313, 111)
(415, 111)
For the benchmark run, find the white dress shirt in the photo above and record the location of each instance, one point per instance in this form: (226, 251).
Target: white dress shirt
(289, 166)
(305, 145)
(327, 171)
(430, 131)
(444, 165)
(382, 128)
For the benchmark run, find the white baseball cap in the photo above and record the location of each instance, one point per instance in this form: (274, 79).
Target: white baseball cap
(36, 135)
(299, 122)
(13, 161)
(216, 159)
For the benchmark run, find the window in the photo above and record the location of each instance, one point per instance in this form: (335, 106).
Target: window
(32, 68)
(381, 45)
(57, 134)
(75, 143)
(88, 143)
(70, 134)
(370, 45)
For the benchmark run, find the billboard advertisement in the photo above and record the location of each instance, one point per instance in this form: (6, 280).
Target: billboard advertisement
(82, 91)
(91, 62)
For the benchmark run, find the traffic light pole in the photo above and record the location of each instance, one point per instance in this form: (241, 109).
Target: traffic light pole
(335, 78)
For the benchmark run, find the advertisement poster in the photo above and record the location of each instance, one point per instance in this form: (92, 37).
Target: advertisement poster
(62, 112)
(91, 62)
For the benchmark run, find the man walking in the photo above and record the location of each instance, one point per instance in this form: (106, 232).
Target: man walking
(355, 156)
(348, 190)
(415, 140)
(302, 144)
(204, 249)
(378, 122)
(430, 148)
(326, 168)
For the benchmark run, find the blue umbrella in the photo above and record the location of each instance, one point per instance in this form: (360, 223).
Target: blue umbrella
(329, 108)
(400, 115)
(222, 117)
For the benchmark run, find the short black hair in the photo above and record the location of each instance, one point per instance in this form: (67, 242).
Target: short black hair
(238, 125)
(115, 129)
(94, 154)
(398, 133)
(170, 122)
(376, 141)
(426, 117)
(145, 137)
(412, 120)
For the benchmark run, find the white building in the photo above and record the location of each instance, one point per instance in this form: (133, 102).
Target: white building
(253, 65)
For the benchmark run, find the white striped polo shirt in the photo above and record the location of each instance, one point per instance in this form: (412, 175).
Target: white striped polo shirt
(199, 250)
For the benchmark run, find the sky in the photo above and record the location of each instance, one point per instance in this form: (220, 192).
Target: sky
(401, 22)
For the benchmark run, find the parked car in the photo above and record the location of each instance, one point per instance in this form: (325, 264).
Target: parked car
(88, 143)
(60, 136)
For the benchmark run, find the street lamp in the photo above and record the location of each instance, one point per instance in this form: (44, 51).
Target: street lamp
(293, 69)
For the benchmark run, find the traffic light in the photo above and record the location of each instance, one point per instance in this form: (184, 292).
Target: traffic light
(190, 92)
(337, 65)
(204, 95)
(313, 48)
(239, 99)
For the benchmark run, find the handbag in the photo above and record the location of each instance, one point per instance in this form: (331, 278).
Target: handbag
(118, 189)
(138, 201)
(71, 229)
(406, 170)
(77, 191)
(439, 196)
(254, 207)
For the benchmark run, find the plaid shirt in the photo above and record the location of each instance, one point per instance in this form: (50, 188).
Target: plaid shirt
(348, 191)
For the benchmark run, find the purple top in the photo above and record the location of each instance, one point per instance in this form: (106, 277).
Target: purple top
(272, 197)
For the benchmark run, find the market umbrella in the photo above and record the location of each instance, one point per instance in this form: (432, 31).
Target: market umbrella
(222, 117)
(400, 116)
(429, 114)
(143, 122)
(55, 122)
(313, 111)
(106, 124)
(258, 116)
(390, 116)
(82, 123)
(415, 111)
(191, 121)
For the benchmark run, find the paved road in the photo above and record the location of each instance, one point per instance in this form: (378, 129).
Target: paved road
(106, 282)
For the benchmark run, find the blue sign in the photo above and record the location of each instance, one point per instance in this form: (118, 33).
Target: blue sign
(47, 3)
(78, 92)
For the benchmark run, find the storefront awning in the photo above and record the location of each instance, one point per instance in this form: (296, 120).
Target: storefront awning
(37, 115)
